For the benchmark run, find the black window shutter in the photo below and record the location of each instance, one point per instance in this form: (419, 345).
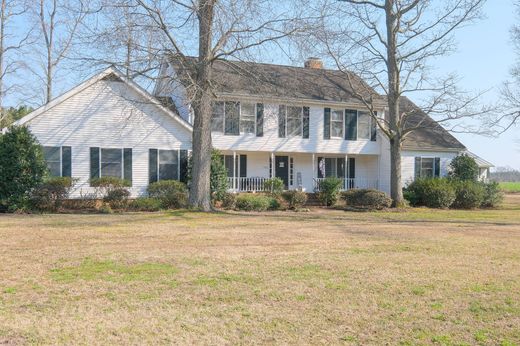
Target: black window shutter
(340, 169)
(417, 167)
(127, 161)
(243, 166)
(320, 173)
(437, 167)
(66, 162)
(306, 115)
(351, 125)
(259, 119)
(373, 130)
(152, 165)
(351, 167)
(326, 123)
(281, 121)
(94, 162)
(183, 168)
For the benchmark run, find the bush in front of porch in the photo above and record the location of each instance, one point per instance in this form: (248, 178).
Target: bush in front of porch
(329, 191)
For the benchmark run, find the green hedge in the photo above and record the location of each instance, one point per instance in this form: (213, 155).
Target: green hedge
(453, 193)
(432, 193)
(367, 199)
(173, 194)
(256, 202)
(295, 199)
(329, 191)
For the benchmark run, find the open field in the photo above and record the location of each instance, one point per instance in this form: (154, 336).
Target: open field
(510, 187)
(322, 277)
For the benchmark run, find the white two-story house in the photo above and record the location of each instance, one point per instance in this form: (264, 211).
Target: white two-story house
(301, 124)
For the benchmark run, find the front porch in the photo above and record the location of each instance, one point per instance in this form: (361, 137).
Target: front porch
(248, 171)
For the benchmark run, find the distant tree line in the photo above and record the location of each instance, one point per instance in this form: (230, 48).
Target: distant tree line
(505, 174)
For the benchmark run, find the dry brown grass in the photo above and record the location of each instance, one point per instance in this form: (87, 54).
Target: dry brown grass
(323, 277)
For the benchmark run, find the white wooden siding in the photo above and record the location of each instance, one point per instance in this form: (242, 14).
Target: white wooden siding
(314, 144)
(99, 116)
(408, 163)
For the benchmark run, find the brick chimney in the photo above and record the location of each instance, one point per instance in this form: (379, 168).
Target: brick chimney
(314, 63)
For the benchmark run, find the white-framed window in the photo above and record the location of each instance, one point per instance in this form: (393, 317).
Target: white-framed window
(111, 163)
(168, 164)
(294, 121)
(217, 117)
(248, 118)
(233, 118)
(364, 125)
(52, 156)
(427, 167)
(331, 167)
(336, 123)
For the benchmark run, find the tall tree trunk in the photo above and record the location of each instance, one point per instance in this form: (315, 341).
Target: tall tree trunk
(201, 162)
(396, 186)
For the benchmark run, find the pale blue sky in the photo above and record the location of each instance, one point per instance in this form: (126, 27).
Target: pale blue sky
(485, 56)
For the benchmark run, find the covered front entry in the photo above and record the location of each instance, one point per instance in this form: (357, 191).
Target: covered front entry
(282, 169)
(248, 171)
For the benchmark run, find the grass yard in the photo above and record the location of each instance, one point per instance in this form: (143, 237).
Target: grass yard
(322, 277)
(510, 187)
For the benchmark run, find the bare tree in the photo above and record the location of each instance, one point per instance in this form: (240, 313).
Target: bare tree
(10, 45)
(209, 30)
(57, 22)
(391, 45)
(510, 91)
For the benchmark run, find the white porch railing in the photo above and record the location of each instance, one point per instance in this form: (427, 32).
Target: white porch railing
(351, 183)
(253, 184)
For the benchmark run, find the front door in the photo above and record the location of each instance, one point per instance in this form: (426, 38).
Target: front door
(282, 169)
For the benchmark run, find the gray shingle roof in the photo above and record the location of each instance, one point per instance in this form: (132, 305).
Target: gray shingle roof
(429, 135)
(279, 81)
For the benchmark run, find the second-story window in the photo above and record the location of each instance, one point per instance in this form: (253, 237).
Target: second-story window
(294, 121)
(363, 125)
(247, 118)
(336, 123)
(234, 118)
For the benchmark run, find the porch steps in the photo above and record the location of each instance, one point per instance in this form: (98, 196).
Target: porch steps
(312, 200)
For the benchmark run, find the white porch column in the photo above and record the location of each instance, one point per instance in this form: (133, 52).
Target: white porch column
(234, 171)
(345, 174)
(272, 165)
(313, 171)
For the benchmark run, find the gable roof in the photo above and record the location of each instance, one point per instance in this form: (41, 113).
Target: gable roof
(480, 161)
(429, 135)
(279, 81)
(113, 74)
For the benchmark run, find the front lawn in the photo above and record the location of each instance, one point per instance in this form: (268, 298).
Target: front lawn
(443, 277)
(510, 186)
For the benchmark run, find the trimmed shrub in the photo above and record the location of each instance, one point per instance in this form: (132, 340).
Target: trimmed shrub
(432, 193)
(117, 198)
(253, 202)
(329, 191)
(229, 200)
(468, 194)
(104, 185)
(295, 199)
(145, 204)
(218, 176)
(367, 198)
(464, 167)
(50, 195)
(173, 194)
(22, 167)
(493, 196)
(274, 186)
